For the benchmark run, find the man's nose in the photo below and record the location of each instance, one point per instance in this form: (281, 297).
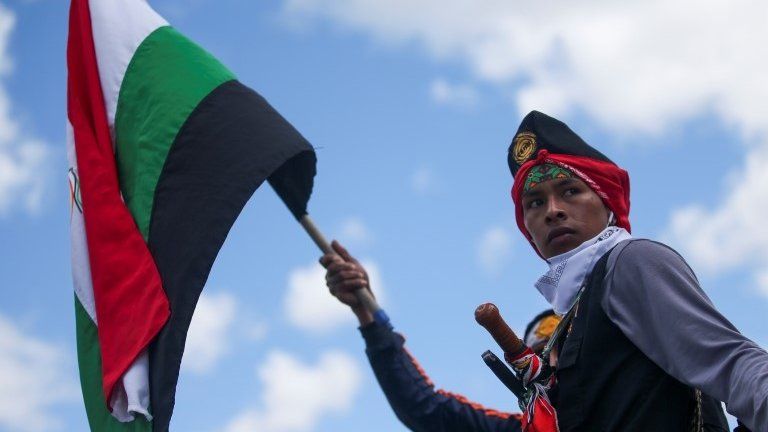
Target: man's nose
(555, 211)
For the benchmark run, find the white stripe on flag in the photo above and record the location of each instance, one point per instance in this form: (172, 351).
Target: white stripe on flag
(131, 394)
(119, 27)
(81, 267)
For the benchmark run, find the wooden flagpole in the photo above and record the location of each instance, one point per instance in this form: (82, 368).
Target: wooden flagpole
(363, 295)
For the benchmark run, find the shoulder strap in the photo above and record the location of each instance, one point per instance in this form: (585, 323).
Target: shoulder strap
(561, 331)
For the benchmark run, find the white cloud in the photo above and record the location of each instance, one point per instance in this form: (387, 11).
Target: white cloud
(309, 306)
(733, 233)
(7, 21)
(423, 180)
(329, 387)
(22, 159)
(257, 332)
(632, 66)
(638, 65)
(210, 333)
(32, 381)
(494, 249)
(354, 231)
(762, 283)
(445, 93)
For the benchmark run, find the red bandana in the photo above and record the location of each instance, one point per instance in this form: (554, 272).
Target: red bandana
(607, 180)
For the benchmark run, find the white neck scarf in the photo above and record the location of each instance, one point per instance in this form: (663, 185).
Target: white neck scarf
(567, 271)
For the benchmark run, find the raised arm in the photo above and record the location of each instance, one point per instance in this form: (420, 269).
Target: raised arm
(410, 392)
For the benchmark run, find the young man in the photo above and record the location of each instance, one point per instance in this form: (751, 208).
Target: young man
(639, 334)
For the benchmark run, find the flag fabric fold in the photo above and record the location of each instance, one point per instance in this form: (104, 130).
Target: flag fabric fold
(229, 145)
(117, 283)
(188, 144)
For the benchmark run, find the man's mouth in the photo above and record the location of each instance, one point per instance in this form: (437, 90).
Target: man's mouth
(557, 232)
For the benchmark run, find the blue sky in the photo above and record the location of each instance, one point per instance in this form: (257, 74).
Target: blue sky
(411, 106)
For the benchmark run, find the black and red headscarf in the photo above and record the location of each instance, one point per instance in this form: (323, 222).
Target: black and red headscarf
(541, 139)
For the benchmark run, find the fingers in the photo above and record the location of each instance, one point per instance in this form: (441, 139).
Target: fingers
(328, 259)
(343, 278)
(347, 286)
(342, 251)
(343, 275)
(341, 255)
(339, 266)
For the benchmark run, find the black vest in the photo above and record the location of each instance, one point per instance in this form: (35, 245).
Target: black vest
(605, 383)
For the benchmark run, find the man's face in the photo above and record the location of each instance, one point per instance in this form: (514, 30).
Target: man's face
(561, 214)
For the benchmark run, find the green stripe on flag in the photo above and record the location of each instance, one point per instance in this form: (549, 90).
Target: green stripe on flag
(89, 361)
(165, 80)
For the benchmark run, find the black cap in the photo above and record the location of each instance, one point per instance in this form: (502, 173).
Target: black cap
(539, 131)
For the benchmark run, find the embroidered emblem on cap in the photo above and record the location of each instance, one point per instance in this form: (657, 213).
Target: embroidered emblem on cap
(547, 326)
(525, 146)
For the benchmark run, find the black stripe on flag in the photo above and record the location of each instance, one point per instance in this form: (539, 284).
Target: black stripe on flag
(228, 146)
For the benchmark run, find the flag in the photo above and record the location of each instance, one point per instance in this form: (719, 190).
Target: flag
(166, 146)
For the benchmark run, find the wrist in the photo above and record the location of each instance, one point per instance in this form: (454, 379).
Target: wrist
(363, 315)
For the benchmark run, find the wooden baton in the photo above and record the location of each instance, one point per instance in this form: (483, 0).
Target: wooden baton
(487, 315)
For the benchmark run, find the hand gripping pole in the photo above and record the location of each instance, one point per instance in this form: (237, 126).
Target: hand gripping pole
(363, 296)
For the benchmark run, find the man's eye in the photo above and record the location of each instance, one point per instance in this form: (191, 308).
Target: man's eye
(570, 191)
(535, 203)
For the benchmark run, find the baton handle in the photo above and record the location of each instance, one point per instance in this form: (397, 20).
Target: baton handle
(487, 315)
(363, 296)
(506, 376)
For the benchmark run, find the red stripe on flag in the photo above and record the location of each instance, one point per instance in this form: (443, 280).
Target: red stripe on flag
(131, 306)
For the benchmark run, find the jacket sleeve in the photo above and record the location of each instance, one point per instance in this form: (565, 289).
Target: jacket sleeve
(413, 397)
(655, 299)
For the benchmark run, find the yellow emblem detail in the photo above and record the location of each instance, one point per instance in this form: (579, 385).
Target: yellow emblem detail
(547, 326)
(525, 146)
